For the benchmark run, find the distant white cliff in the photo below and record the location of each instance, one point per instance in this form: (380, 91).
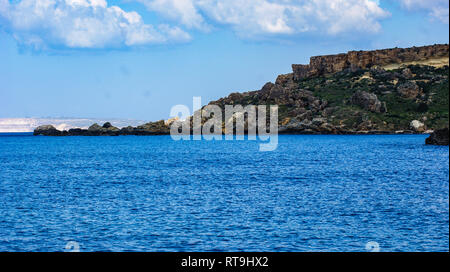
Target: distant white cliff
(29, 124)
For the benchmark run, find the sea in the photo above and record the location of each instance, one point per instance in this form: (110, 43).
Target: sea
(387, 193)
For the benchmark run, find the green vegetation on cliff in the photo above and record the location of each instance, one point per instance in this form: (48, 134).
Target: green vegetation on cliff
(362, 100)
(426, 95)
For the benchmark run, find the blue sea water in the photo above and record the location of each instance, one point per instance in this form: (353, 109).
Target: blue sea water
(314, 193)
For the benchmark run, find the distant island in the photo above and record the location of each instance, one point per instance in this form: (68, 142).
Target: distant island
(389, 91)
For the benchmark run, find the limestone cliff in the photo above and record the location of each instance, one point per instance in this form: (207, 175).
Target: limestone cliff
(382, 91)
(322, 65)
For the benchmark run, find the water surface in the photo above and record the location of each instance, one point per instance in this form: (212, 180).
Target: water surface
(314, 193)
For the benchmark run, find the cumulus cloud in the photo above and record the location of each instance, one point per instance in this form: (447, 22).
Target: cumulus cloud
(81, 24)
(438, 9)
(183, 11)
(261, 17)
(95, 24)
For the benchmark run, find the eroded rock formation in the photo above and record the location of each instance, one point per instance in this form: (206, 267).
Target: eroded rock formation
(354, 60)
(368, 101)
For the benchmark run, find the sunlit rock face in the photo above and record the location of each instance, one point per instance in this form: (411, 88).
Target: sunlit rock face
(322, 65)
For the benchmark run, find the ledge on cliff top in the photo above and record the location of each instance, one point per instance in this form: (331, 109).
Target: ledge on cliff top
(329, 64)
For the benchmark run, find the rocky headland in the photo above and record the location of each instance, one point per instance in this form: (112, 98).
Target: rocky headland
(390, 91)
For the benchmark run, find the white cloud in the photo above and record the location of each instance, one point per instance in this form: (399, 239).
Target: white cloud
(262, 17)
(95, 24)
(438, 9)
(181, 10)
(81, 24)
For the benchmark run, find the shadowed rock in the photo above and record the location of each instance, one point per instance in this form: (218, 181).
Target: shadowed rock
(95, 127)
(152, 128)
(107, 125)
(409, 90)
(47, 130)
(106, 130)
(368, 101)
(439, 137)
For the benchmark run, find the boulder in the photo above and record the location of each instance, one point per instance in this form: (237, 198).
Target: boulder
(417, 126)
(127, 130)
(438, 137)
(112, 130)
(406, 73)
(107, 125)
(368, 101)
(106, 130)
(409, 90)
(77, 132)
(47, 130)
(95, 127)
(152, 128)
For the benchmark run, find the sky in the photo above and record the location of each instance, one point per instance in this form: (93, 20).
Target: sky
(135, 59)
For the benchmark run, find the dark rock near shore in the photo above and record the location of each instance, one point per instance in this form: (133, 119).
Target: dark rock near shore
(106, 130)
(47, 130)
(107, 125)
(438, 137)
(152, 128)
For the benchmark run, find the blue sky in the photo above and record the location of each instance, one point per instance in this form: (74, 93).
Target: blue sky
(137, 59)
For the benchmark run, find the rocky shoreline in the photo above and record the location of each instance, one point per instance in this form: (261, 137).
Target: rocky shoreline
(353, 93)
(439, 137)
(162, 128)
(152, 128)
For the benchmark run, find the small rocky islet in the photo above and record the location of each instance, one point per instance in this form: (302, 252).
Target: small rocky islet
(438, 137)
(152, 128)
(390, 91)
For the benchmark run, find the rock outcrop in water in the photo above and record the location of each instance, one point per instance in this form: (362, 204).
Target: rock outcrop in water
(439, 137)
(152, 128)
(47, 130)
(340, 94)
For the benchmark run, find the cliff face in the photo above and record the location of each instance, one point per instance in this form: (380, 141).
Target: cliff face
(353, 93)
(354, 60)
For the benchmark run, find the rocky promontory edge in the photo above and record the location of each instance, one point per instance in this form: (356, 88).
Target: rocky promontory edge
(152, 128)
(339, 94)
(439, 137)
